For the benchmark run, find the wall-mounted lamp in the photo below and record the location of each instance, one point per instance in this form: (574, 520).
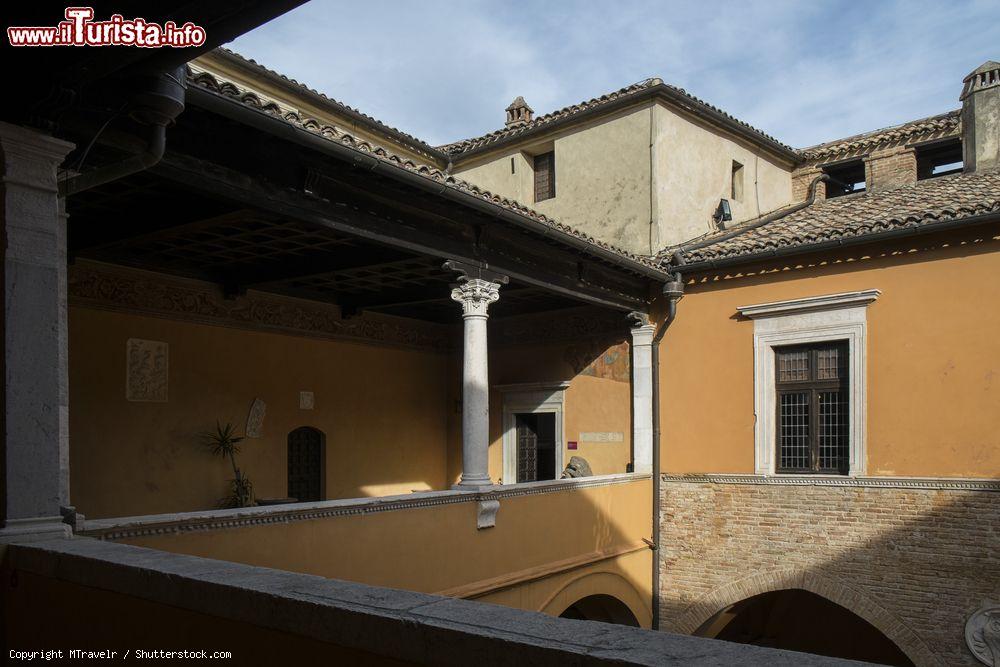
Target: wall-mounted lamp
(723, 213)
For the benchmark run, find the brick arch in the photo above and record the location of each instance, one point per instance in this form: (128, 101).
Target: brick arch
(599, 583)
(827, 587)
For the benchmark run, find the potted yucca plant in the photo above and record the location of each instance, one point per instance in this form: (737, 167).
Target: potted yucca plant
(225, 443)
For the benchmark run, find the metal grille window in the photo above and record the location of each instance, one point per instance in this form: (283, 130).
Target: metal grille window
(813, 408)
(545, 176)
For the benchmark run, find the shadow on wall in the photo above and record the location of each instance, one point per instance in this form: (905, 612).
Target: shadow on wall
(547, 551)
(776, 565)
(391, 417)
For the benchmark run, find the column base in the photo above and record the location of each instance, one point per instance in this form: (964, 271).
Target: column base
(35, 530)
(480, 487)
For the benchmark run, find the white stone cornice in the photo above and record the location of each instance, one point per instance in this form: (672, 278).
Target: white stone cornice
(810, 304)
(476, 295)
(924, 483)
(643, 335)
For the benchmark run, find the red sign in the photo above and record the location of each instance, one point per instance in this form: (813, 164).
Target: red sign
(571, 444)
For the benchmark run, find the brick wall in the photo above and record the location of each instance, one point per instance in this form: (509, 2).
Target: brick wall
(890, 168)
(916, 563)
(800, 185)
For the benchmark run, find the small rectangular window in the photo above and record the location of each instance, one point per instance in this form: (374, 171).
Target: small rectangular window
(736, 191)
(845, 179)
(512, 165)
(813, 425)
(939, 159)
(545, 176)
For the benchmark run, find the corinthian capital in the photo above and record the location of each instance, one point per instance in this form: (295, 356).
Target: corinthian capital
(476, 295)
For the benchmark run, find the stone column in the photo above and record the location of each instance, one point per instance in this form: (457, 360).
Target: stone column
(642, 397)
(35, 402)
(477, 289)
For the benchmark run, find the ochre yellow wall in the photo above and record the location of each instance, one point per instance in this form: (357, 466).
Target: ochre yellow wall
(933, 358)
(439, 549)
(383, 411)
(597, 400)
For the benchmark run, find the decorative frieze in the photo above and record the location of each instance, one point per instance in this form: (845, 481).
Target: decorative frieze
(927, 483)
(141, 292)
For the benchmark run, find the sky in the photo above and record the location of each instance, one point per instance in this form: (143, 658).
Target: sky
(804, 71)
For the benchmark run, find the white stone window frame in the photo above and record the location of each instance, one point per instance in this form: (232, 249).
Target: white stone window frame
(533, 398)
(819, 319)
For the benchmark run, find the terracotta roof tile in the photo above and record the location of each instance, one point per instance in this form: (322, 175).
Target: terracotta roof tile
(567, 113)
(228, 89)
(335, 105)
(922, 203)
(946, 122)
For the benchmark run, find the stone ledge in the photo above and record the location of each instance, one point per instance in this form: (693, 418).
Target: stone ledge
(403, 625)
(159, 524)
(924, 483)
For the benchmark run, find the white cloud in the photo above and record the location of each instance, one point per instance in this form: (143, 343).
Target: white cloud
(805, 72)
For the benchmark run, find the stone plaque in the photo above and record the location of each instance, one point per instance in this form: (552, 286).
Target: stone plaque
(602, 436)
(147, 370)
(307, 400)
(255, 419)
(982, 634)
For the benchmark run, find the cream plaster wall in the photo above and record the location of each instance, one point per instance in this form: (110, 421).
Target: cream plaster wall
(604, 169)
(602, 177)
(694, 171)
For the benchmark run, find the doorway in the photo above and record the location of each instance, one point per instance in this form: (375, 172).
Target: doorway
(305, 464)
(536, 446)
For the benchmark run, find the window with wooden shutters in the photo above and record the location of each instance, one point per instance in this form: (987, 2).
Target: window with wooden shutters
(813, 411)
(545, 176)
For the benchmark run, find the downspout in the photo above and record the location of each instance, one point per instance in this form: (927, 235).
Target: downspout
(156, 103)
(674, 291)
(654, 237)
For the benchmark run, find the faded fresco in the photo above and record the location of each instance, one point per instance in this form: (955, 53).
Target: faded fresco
(596, 359)
(147, 363)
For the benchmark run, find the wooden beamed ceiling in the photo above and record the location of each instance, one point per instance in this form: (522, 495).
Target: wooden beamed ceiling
(240, 208)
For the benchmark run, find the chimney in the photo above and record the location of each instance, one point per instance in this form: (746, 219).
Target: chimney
(981, 118)
(518, 113)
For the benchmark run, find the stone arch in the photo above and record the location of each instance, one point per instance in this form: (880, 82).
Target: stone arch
(826, 587)
(600, 583)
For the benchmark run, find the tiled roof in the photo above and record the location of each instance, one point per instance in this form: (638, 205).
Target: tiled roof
(336, 105)
(946, 122)
(923, 203)
(333, 134)
(636, 90)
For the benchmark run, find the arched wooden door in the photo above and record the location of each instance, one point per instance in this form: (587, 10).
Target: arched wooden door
(305, 464)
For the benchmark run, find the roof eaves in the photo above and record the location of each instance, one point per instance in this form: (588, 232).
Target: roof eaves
(321, 100)
(649, 88)
(637, 263)
(945, 122)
